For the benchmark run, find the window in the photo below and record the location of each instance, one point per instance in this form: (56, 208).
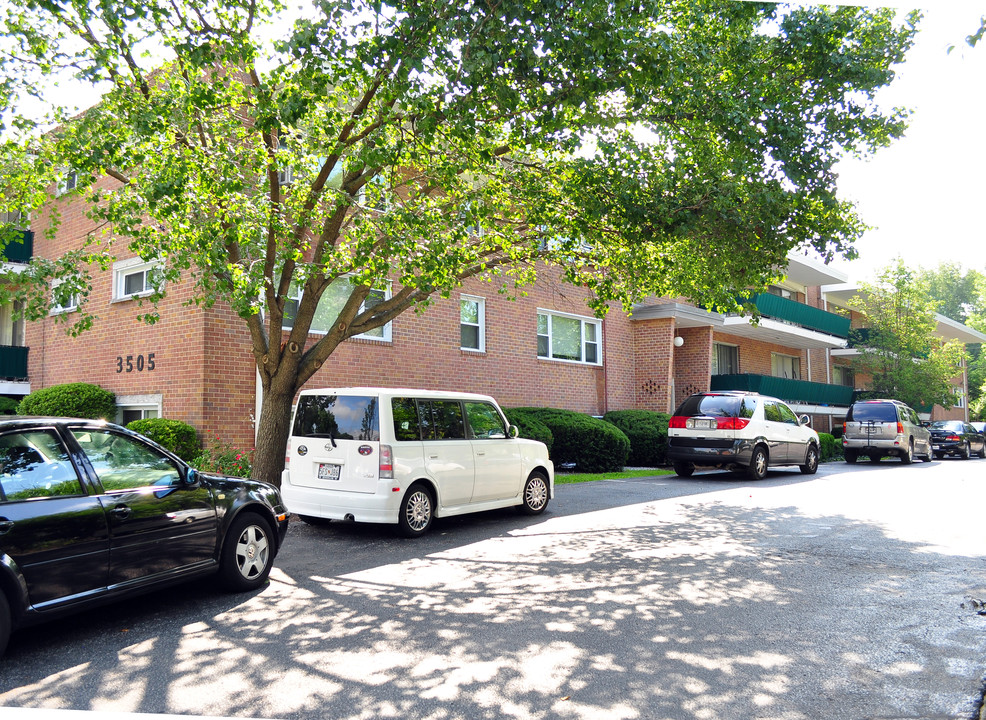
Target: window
(568, 337)
(124, 463)
(959, 397)
(12, 326)
(15, 218)
(785, 366)
(843, 375)
(405, 412)
(35, 465)
(129, 414)
(472, 323)
(331, 304)
(135, 278)
(137, 407)
(787, 414)
(485, 422)
(68, 182)
(780, 292)
(441, 420)
(345, 417)
(63, 300)
(725, 359)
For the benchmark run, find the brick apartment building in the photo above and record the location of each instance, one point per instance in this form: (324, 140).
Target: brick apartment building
(543, 349)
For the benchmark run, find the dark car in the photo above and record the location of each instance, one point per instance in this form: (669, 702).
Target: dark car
(91, 512)
(954, 437)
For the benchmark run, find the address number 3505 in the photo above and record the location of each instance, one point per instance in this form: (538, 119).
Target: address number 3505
(130, 363)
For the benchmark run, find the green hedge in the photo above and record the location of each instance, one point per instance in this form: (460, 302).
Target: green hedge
(530, 427)
(8, 406)
(831, 447)
(173, 435)
(648, 435)
(591, 444)
(81, 400)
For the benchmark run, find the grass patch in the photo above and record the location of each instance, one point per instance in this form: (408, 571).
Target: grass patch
(569, 478)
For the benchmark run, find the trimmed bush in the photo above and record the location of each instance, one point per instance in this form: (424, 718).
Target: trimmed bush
(830, 447)
(591, 444)
(530, 427)
(648, 435)
(81, 400)
(174, 435)
(8, 406)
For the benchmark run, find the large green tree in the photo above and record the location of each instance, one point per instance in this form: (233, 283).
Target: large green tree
(665, 147)
(901, 350)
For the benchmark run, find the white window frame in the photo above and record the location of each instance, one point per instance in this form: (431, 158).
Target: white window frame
(386, 336)
(598, 342)
(68, 181)
(57, 309)
(481, 325)
(123, 269)
(959, 397)
(716, 370)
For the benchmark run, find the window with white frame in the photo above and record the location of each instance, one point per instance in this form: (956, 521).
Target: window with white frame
(472, 323)
(68, 182)
(959, 397)
(16, 218)
(63, 300)
(785, 366)
(569, 337)
(331, 304)
(137, 407)
(725, 359)
(135, 278)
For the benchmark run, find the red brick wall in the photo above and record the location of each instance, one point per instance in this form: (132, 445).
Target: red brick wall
(692, 363)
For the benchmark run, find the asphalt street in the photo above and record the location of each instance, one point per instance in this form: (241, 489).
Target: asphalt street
(854, 593)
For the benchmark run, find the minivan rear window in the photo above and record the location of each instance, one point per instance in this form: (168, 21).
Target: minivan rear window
(872, 412)
(717, 406)
(341, 417)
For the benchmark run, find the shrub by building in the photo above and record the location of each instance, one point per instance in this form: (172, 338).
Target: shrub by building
(588, 443)
(80, 400)
(648, 435)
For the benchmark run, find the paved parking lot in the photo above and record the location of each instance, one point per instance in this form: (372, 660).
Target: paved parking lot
(848, 594)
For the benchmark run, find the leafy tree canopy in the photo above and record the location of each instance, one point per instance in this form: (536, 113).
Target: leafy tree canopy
(956, 293)
(901, 351)
(665, 147)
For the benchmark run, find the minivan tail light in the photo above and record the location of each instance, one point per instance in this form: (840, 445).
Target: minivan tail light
(732, 423)
(900, 428)
(678, 421)
(386, 462)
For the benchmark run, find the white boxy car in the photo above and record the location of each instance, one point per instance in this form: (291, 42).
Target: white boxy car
(384, 455)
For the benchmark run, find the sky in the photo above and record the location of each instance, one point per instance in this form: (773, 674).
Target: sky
(925, 195)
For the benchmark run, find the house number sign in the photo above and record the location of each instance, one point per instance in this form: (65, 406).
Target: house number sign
(131, 363)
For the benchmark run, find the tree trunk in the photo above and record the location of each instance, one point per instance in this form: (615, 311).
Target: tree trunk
(273, 428)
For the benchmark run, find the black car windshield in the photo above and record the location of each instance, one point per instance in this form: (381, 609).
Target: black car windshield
(717, 406)
(951, 425)
(872, 412)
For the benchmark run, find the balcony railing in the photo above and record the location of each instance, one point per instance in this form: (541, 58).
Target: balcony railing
(20, 250)
(793, 391)
(13, 362)
(778, 308)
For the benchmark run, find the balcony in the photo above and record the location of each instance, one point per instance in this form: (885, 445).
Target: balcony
(13, 362)
(795, 313)
(801, 392)
(21, 249)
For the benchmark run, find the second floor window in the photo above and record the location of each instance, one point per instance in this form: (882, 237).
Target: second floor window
(331, 304)
(134, 278)
(843, 375)
(63, 300)
(472, 323)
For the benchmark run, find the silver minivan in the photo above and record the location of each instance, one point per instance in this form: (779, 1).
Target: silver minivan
(404, 457)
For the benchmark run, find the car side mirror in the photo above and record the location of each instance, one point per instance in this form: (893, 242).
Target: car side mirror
(925, 424)
(192, 477)
(513, 432)
(805, 420)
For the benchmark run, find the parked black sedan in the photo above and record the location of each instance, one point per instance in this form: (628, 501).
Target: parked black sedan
(954, 437)
(91, 512)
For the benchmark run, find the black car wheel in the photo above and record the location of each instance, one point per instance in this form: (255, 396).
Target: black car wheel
(982, 452)
(683, 469)
(966, 451)
(908, 456)
(417, 511)
(535, 498)
(248, 553)
(811, 461)
(939, 455)
(758, 463)
(876, 457)
(851, 456)
(4, 622)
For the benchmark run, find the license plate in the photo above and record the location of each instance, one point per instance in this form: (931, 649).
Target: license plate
(328, 471)
(703, 424)
(936, 447)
